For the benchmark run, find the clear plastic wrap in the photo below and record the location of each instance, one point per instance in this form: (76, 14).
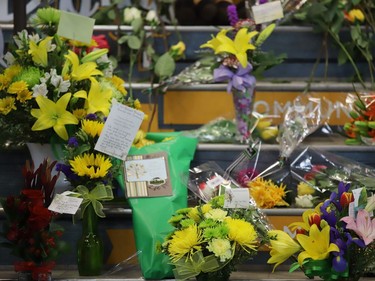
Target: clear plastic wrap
(361, 109)
(209, 180)
(323, 171)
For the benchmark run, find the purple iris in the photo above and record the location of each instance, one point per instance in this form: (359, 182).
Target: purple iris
(240, 80)
(263, 1)
(67, 170)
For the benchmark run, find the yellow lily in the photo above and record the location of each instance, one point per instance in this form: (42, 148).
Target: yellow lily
(316, 244)
(39, 51)
(238, 47)
(215, 42)
(86, 70)
(98, 100)
(282, 248)
(53, 115)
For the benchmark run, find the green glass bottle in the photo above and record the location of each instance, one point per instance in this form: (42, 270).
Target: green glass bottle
(90, 245)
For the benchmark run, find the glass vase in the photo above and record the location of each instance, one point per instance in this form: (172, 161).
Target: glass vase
(90, 245)
(243, 106)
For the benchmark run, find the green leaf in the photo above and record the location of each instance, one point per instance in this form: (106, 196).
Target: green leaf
(134, 42)
(111, 15)
(137, 25)
(342, 58)
(165, 66)
(122, 39)
(264, 34)
(294, 266)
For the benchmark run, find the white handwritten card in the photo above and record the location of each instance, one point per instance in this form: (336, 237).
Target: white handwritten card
(267, 12)
(64, 204)
(237, 198)
(145, 169)
(119, 130)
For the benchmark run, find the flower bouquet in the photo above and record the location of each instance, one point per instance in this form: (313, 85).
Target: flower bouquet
(29, 228)
(335, 241)
(209, 241)
(361, 128)
(50, 83)
(238, 58)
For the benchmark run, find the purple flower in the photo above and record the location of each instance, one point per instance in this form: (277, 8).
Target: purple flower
(73, 142)
(232, 15)
(240, 80)
(263, 1)
(91, 116)
(66, 169)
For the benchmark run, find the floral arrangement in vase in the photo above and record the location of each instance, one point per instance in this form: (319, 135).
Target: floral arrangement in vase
(238, 59)
(208, 241)
(50, 83)
(335, 241)
(29, 228)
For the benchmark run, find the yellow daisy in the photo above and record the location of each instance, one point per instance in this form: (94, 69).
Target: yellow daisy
(7, 105)
(12, 71)
(91, 165)
(80, 113)
(4, 81)
(92, 128)
(17, 87)
(185, 242)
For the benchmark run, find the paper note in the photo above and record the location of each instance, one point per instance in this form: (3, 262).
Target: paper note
(147, 175)
(64, 204)
(146, 169)
(76, 27)
(267, 12)
(119, 130)
(237, 198)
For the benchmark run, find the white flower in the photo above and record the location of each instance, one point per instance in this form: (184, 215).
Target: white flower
(108, 71)
(61, 85)
(151, 17)
(131, 13)
(40, 90)
(10, 59)
(34, 37)
(221, 248)
(21, 39)
(305, 201)
(216, 214)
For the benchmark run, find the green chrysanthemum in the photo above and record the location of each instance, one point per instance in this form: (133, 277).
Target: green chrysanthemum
(187, 222)
(47, 16)
(30, 75)
(220, 231)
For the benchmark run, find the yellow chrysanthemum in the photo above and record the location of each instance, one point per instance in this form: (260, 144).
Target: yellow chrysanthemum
(17, 87)
(194, 214)
(185, 242)
(24, 96)
(4, 81)
(92, 128)
(266, 194)
(242, 232)
(119, 84)
(216, 214)
(206, 208)
(80, 113)
(12, 71)
(91, 165)
(7, 105)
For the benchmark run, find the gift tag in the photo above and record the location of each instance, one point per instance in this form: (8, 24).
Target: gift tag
(267, 12)
(76, 27)
(237, 198)
(64, 204)
(119, 130)
(147, 175)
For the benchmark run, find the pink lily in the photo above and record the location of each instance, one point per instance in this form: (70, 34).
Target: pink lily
(363, 226)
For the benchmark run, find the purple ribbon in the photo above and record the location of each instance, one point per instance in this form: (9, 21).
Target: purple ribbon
(240, 80)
